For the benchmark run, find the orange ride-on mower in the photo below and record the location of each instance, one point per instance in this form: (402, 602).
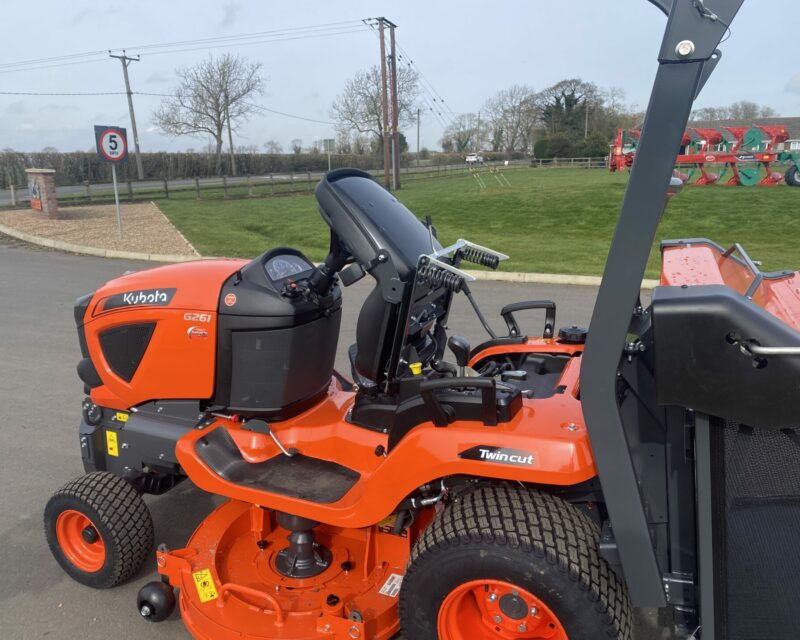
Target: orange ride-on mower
(531, 488)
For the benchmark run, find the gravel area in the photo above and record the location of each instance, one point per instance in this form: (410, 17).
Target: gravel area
(145, 228)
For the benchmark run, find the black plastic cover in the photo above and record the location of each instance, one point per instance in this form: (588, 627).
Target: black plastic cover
(699, 365)
(276, 345)
(368, 219)
(124, 347)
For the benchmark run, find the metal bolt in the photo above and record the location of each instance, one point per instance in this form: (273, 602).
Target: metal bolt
(572, 426)
(493, 597)
(522, 628)
(146, 611)
(498, 619)
(161, 456)
(124, 445)
(534, 611)
(684, 49)
(514, 593)
(354, 632)
(326, 628)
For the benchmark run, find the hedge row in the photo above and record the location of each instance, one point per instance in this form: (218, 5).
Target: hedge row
(79, 167)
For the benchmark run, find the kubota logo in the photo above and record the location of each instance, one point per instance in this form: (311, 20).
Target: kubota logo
(145, 297)
(151, 297)
(498, 454)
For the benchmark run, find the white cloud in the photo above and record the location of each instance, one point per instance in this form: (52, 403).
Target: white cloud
(158, 78)
(15, 108)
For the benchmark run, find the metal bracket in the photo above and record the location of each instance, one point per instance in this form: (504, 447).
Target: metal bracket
(680, 589)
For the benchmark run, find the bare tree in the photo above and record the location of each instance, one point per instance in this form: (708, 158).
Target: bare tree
(466, 132)
(513, 115)
(213, 94)
(273, 146)
(297, 145)
(741, 110)
(359, 106)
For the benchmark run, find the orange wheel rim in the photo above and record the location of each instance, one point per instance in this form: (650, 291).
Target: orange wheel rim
(80, 541)
(491, 609)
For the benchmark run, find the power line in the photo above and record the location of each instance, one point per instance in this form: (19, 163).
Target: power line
(35, 93)
(262, 37)
(158, 95)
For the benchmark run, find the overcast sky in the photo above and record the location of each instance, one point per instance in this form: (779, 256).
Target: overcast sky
(466, 49)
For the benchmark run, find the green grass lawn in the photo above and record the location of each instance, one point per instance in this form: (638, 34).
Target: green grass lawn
(548, 220)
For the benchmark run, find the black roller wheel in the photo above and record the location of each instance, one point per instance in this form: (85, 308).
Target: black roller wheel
(156, 601)
(99, 529)
(506, 562)
(792, 176)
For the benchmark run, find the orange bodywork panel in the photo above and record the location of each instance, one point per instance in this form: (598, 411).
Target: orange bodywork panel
(550, 429)
(693, 264)
(180, 359)
(233, 551)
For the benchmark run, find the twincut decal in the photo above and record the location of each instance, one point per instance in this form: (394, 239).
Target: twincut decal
(142, 297)
(501, 455)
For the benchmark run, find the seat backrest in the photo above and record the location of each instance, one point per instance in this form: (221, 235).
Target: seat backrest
(374, 335)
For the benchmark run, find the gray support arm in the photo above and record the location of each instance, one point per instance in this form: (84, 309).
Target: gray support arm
(679, 77)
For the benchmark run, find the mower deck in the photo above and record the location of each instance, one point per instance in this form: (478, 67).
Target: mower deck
(228, 581)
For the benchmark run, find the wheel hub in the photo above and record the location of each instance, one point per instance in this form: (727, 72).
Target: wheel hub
(513, 606)
(490, 609)
(80, 541)
(90, 534)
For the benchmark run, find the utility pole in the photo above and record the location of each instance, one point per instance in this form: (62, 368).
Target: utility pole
(395, 107)
(417, 136)
(230, 135)
(126, 60)
(385, 101)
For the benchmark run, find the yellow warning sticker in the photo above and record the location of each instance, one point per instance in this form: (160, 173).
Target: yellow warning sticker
(204, 582)
(111, 443)
(121, 416)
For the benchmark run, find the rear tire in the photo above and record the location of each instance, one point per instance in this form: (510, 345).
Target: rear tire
(536, 553)
(99, 529)
(792, 176)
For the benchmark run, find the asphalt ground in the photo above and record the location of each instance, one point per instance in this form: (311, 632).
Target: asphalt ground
(40, 397)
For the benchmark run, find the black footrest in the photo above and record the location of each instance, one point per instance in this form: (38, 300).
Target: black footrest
(299, 476)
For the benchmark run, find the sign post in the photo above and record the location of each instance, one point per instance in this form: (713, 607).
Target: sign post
(112, 147)
(329, 145)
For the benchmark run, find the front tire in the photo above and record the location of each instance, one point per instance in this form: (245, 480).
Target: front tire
(99, 529)
(508, 562)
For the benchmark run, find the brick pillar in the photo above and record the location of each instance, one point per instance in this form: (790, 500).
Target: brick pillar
(42, 187)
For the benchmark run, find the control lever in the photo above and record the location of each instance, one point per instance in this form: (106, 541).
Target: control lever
(461, 350)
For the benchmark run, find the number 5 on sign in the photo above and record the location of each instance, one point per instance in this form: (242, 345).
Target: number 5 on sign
(112, 147)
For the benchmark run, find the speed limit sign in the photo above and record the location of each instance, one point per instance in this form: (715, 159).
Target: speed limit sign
(112, 144)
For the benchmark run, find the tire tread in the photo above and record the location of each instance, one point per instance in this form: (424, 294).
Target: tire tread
(535, 523)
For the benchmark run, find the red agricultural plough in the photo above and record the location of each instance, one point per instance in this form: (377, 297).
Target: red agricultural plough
(746, 153)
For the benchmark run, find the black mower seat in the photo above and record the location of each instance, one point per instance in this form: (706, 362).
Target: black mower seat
(298, 476)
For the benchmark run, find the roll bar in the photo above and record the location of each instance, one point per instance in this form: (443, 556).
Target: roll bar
(687, 57)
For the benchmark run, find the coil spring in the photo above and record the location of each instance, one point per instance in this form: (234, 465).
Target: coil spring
(476, 256)
(441, 278)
